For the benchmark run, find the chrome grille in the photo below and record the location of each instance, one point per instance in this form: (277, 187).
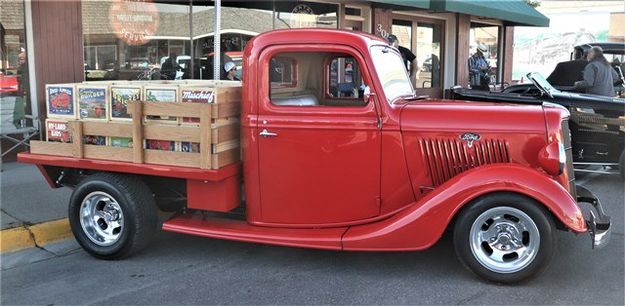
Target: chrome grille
(447, 158)
(566, 137)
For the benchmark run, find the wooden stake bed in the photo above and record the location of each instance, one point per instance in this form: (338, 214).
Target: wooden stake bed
(218, 143)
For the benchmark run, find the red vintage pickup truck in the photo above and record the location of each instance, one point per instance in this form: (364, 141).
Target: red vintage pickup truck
(340, 153)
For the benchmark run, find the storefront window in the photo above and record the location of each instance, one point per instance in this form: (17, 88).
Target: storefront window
(132, 40)
(428, 55)
(487, 35)
(403, 30)
(14, 88)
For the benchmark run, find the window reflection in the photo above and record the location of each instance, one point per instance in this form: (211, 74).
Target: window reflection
(428, 53)
(487, 35)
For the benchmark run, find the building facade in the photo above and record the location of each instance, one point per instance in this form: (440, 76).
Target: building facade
(44, 42)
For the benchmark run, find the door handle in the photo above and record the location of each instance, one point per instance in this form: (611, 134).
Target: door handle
(266, 133)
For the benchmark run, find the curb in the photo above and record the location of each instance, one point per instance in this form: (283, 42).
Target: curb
(36, 235)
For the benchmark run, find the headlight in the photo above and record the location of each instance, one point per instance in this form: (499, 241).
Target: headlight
(552, 158)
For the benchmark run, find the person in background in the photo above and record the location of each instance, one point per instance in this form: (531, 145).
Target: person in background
(230, 69)
(478, 69)
(407, 55)
(599, 76)
(169, 67)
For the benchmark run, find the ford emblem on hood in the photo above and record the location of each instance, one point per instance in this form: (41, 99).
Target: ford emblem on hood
(470, 138)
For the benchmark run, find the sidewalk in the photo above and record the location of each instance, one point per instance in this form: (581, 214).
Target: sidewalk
(30, 209)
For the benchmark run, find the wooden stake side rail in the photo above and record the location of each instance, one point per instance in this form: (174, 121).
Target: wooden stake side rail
(218, 144)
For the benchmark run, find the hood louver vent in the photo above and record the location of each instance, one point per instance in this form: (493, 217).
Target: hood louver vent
(447, 158)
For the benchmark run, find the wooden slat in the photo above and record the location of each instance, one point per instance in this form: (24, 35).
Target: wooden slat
(170, 109)
(228, 94)
(51, 148)
(225, 146)
(76, 130)
(223, 110)
(174, 133)
(205, 137)
(110, 129)
(171, 158)
(108, 153)
(225, 133)
(225, 158)
(137, 132)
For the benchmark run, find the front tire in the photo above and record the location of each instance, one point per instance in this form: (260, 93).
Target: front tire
(112, 216)
(504, 237)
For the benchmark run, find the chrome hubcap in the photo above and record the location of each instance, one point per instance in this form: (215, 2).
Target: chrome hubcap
(101, 218)
(504, 239)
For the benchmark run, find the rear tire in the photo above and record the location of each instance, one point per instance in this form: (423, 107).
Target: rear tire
(112, 216)
(504, 237)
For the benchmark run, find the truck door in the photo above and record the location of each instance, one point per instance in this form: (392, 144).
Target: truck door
(319, 142)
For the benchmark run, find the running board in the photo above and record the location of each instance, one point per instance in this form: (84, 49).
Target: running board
(240, 230)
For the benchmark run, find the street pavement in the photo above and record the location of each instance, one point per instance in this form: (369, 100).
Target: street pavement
(26, 198)
(179, 269)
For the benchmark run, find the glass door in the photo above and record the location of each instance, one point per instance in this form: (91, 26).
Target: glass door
(429, 41)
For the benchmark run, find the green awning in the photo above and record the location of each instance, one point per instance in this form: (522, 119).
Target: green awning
(512, 12)
(403, 4)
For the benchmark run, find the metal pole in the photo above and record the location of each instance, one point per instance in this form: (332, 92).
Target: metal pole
(192, 53)
(217, 42)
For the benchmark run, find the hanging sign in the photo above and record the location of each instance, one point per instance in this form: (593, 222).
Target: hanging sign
(134, 20)
(303, 16)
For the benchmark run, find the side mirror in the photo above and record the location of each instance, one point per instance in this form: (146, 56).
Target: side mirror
(367, 94)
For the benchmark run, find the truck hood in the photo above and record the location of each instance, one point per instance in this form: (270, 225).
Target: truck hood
(433, 115)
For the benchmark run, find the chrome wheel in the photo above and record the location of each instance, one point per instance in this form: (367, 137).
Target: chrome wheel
(504, 239)
(101, 218)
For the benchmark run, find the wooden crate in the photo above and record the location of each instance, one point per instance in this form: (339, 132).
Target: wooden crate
(225, 147)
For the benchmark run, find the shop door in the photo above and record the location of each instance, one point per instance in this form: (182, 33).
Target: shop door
(424, 38)
(429, 41)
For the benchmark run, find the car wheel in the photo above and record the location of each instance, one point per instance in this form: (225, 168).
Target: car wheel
(112, 216)
(504, 237)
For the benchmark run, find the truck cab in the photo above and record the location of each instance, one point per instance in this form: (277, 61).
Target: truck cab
(340, 152)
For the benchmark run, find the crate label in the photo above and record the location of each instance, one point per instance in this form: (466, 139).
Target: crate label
(190, 147)
(119, 101)
(124, 142)
(95, 140)
(160, 95)
(196, 96)
(58, 131)
(92, 103)
(163, 145)
(61, 100)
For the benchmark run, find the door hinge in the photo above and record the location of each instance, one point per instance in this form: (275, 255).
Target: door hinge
(379, 123)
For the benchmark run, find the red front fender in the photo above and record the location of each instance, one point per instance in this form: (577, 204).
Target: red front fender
(422, 224)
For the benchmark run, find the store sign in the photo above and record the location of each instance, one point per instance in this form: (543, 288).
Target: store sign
(303, 16)
(134, 20)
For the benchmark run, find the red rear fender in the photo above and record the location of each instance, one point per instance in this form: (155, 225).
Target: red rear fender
(422, 224)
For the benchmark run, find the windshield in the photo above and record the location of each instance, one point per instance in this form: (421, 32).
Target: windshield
(391, 72)
(541, 83)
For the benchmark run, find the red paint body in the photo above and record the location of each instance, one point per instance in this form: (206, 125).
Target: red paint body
(334, 179)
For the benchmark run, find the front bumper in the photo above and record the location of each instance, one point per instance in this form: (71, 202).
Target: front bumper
(597, 221)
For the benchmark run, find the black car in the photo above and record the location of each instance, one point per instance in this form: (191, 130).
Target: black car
(597, 123)
(565, 74)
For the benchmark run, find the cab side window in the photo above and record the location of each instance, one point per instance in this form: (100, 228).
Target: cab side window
(310, 79)
(344, 80)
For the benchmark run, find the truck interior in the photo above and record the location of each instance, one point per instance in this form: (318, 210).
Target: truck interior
(316, 79)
